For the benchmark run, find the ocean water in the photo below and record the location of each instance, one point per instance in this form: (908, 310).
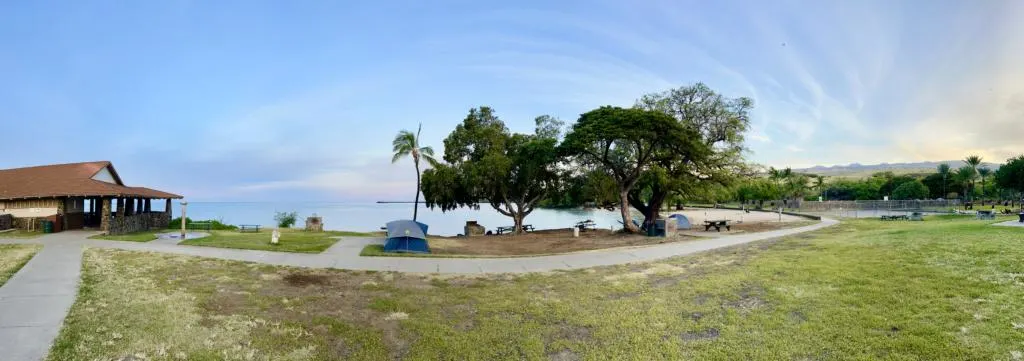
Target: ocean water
(371, 216)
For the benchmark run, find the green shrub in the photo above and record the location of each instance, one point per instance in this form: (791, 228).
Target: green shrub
(911, 190)
(286, 219)
(215, 224)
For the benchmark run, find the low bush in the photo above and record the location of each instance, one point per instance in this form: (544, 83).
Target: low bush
(215, 224)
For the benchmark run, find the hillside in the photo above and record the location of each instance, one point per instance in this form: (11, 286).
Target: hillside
(855, 170)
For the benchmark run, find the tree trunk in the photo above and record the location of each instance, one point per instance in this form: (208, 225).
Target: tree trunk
(416, 202)
(517, 226)
(627, 223)
(654, 208)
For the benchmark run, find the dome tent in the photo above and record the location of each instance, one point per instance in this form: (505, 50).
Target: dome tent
(681, 221)
(406, 236)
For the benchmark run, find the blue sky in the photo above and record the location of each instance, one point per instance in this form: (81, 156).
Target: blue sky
(272, 100)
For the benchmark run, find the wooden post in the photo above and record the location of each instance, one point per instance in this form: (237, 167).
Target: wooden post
(167, 207)
(147, 205)
(183, 205)
(129, 206)
(120, 207)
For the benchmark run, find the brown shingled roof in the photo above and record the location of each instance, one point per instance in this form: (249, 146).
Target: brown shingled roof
(64, 180)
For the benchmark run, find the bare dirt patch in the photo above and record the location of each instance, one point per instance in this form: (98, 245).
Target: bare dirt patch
(564, 355)
(301, 279)
(543, 242)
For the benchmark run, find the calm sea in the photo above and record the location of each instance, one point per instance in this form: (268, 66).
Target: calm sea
(372, 216)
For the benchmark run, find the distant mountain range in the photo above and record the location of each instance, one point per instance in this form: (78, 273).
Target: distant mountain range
(857, 169)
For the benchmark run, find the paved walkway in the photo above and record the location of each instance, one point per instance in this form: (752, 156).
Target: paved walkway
(345, 255)
(34, 302)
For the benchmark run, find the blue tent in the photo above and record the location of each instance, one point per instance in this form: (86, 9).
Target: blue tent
(406, 236)
(681, 221)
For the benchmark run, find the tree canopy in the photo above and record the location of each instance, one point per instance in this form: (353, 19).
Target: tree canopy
(626, 142)
(710, 159)
(484, 162)
(1011, 174)
(913, 189)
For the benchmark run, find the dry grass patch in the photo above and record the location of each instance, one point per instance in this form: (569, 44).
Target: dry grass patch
(13, 257)
(940, 289)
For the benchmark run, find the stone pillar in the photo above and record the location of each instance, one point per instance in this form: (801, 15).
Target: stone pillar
(120, 207)
(147, 205)
(105, 215)
(62, 213)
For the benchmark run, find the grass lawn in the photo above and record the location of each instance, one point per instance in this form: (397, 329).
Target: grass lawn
(949, 288)
(292, 240)
(21, 234)
(12, 257)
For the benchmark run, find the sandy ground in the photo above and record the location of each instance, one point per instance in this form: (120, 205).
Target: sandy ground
(561, 240)
(543, 242)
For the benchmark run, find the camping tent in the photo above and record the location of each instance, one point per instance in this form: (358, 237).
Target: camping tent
(681, 221)
(406, 236)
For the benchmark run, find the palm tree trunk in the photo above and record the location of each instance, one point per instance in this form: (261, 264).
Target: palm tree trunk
(416, 203)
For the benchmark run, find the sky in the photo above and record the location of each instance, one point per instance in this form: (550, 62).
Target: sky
(299, 100)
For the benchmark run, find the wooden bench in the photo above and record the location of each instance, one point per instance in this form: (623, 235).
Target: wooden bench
(585, 225)
(249, 228)
(526, 228)
(718, 224)
(902, 217)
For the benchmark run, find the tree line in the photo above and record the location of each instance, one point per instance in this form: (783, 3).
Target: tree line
(680, 145)
(970, 182)
(668, 146)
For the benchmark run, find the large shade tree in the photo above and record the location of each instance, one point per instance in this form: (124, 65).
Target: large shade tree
(485, 162)
(1011, 175)
(709, 159)
(625, 142)
(407, 144)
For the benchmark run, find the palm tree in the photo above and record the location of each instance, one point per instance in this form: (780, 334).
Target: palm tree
(405, 144)
(973, 161)
(819, 182)
(984, 172)
(964, 176)
(944, 171)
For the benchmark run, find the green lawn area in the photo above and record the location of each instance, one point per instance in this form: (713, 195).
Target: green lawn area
(132, 237)
(20, 234)
(292, 240)
(949, 288)
(13, 257)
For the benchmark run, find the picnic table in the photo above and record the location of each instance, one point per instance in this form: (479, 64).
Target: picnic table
(718, 224)
(986, 215)
(899, 217)
(249, 228)
(585, 225)
(526, 228)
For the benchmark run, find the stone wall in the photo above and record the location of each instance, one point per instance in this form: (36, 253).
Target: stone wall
(138, 222)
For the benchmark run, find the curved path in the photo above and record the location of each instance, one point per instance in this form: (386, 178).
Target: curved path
(34, 302)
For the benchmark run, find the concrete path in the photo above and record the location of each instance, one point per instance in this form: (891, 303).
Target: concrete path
(34, 302)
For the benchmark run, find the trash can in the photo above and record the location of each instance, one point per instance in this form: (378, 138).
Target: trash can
(47, 227)
(1021, 215)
